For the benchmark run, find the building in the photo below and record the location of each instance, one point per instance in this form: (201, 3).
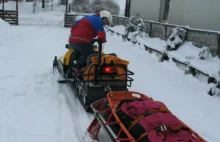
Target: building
(200, 14)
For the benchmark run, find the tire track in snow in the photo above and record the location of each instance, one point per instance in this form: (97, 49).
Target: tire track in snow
(65, 128)
(7, 134)
(80, 117)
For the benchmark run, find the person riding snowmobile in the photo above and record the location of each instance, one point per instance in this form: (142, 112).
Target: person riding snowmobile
(83, 32)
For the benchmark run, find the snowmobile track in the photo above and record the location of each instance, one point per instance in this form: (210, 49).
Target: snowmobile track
(76, 108)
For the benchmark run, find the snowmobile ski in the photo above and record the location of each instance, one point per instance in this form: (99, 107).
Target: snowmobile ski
(65, 80)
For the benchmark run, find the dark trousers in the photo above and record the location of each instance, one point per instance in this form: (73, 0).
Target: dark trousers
(80, 53)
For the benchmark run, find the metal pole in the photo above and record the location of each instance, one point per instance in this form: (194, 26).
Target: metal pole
(43, 3)
(17, 11)
(3, 8)
(16, 5)
(127, 8)
(34, 6)
(52, 6)
(67, 6)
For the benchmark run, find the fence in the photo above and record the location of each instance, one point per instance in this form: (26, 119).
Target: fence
(68, 20)
(199, 38)
(10, 16)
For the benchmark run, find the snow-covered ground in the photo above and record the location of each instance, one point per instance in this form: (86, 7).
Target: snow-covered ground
(32, 105)
(35, 108)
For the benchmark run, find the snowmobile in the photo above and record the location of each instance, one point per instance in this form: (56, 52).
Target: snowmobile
(130, 116)
(92, 81)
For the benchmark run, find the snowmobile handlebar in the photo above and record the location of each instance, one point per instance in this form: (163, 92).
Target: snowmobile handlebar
(99, 40)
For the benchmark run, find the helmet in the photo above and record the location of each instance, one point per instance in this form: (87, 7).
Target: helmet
(106, 14)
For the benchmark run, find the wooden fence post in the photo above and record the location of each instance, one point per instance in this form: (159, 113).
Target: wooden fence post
(150, 32)
(165, 37)
(16, 5)
(67, 6)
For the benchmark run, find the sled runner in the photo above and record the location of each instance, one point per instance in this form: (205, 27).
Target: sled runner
(133, 117)
(101, 74)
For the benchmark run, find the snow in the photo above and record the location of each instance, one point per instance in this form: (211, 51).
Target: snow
(50, 18)
(186, 51)
(119, 29)
(154, 43)
(34, 107)
(5, 27)
(209, 66)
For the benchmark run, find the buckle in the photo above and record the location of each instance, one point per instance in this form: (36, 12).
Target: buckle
(161, 128)
(147, 113)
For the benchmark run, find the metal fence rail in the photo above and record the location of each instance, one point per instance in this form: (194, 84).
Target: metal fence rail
(199, 38)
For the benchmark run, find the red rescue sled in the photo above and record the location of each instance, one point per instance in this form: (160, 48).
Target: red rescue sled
(119, 120)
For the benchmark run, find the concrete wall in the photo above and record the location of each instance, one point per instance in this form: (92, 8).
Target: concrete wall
(149, 8)
(203, 14)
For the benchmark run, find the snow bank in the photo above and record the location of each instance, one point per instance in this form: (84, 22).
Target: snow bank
(32, 105)
(154, 43)
(4, 28)
(120, 29)
(3, 24)
(51, 18)
(187, 53)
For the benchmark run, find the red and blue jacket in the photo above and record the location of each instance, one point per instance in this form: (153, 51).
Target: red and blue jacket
(86, 29)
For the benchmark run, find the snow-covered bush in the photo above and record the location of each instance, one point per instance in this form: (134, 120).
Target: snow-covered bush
(135, 28)
(88, 6)
(5, 28)
(204, 53)
(80, 6)
(176, 39)
(191, 70)
(215, 89)
(110, 5)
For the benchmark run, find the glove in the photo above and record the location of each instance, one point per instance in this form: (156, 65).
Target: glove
(104, 40)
